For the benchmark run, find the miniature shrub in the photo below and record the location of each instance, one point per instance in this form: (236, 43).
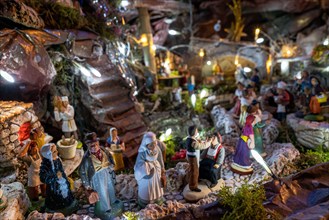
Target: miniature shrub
(171, 145)
(312, 157)
(130, 215)
(245, 203)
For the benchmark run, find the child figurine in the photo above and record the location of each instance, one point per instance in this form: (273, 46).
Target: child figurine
(31, 152)
(212, 160)
(59, 197)
(116, 147)
(241, 160)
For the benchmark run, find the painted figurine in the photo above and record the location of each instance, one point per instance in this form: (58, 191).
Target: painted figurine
(116, 148)
(254, 109)
(237, 99)
(212, 160)
(98, 177)
(149, 171)
(59, 197)
(245, 102)
(31, 154)
(282, 99)
(241, 160)
(193, 146)
(65, 112)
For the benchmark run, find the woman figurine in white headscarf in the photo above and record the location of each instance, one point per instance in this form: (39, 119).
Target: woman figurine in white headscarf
(59, 197)
(149, 171)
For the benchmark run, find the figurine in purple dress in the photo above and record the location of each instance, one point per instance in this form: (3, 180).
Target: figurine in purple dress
(241, 160)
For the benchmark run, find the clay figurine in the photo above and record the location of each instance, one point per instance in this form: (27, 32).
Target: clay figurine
(64, 112)
(31, 154)
(241, 160)
(211, 164)
(149, 171)
(59, 197)
(116, 148)
(193, 146)
(98, 177)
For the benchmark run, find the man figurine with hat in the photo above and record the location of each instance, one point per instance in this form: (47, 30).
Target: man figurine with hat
(98, 177)
(59, 197)
(194, 146)
(66, 115)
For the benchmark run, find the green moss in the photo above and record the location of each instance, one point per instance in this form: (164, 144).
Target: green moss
(58, 16)
(312, 157)
(64, 75)
(245, 203)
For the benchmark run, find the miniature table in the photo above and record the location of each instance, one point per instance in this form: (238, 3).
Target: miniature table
(72, 164)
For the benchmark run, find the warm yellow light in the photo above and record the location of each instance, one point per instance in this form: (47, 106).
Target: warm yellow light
(257, 31)
(143, 39)
(288, 51)
(269, 64)
(123, 21)
(236, 61)
(154, 47)
(201, 52)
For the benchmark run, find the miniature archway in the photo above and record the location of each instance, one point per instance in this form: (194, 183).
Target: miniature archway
(226, 65)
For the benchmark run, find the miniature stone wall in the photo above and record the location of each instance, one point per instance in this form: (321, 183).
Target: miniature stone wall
(310, 134)
(12, 115)
(226, 125)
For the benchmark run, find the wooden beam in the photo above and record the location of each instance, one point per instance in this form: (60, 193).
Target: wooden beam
(161, 5)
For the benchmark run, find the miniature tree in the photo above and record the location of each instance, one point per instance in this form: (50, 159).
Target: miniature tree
(236, 30)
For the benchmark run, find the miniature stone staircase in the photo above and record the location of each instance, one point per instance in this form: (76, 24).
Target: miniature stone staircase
(108, 99)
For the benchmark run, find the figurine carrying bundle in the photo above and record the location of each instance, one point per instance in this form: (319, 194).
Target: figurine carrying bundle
(64, 112)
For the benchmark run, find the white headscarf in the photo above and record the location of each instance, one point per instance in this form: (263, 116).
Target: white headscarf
(46, 153)
(148, 138)
(112, 129)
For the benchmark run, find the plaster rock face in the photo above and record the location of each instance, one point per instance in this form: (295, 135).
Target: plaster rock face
(35, 215)
(309, 134)
(271, 132)
(12, 116)
(225, 124)
(18, 201)
(177, 177)
(278, 156)
(126, 187)
(154, 211)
